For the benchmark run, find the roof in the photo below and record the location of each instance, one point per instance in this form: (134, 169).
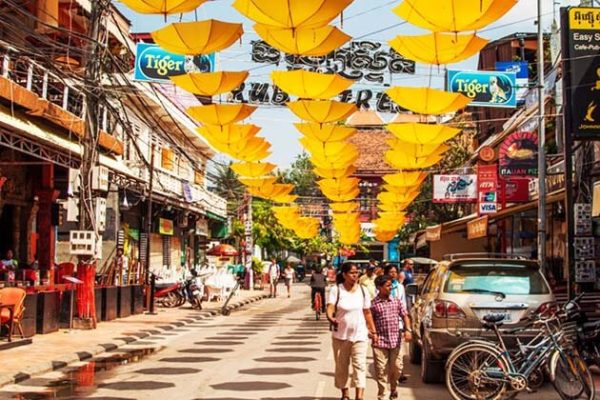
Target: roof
(371, 147)
(365, 118)
(402, 118)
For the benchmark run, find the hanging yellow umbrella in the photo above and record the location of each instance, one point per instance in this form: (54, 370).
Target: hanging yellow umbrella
(228, 134)
(342, 184)
(344, 207)
(423, 133)
(334, 173)
(384, 236)
(261, 181)
(392, 216)
(270, 191)
(426, 100)
(417, 150)
(438, 48)
(340, 196)
(293, 210)
(401, 190)
(245, 146)
(310, 85)
(200, 37)
(220, 114)
(325, 132)
(405, 178)
(291, 13)
(345, 161)
(327, 150)
(400, 160)
(453, 15)
(321, 112)
(163, 6)
(393, 206)
(210, 83)
(286, 198)
(252, 170)
(388, 198)
(303, 41)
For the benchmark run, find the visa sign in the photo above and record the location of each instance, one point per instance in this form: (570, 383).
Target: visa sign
(153, 64)
(485, 88)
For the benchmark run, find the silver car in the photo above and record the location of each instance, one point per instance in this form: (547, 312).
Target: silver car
(448, 308)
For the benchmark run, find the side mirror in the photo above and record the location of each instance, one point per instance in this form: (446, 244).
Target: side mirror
(412, 289)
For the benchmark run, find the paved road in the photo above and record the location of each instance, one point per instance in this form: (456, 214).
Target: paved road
(273, 349)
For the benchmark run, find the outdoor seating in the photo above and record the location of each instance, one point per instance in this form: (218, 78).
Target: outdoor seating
(12, 308)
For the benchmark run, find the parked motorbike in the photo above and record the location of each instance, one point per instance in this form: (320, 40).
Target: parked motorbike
(585, 334)
(194, 290)
(169, 295)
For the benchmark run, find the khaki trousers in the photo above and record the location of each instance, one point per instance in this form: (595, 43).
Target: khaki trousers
(386, 370)
(345, 351)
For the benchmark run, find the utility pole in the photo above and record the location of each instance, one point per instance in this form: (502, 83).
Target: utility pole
(149, 282)
(541, 236)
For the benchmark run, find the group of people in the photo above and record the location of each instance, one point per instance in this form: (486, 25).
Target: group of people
(274, 272)
(370, 307)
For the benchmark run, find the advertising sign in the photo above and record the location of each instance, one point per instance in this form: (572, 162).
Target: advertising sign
(477, 228)
(514, 191)
(519, 155)
(486, 88)
(487, 189)
(153, 64)
(166, 227)
(581, 65)
(521, 70)
(455, 188)
(433, 233)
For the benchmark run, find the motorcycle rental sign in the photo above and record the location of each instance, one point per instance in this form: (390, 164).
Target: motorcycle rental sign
(455, 188)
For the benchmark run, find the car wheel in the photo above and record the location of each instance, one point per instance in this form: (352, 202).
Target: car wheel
(414, 352)
(431, 371)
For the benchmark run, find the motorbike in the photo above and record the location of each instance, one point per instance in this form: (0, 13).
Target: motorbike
(169, 295)
(194, 291)
(586, 335)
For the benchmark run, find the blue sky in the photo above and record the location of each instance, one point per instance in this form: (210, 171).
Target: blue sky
(367, 19)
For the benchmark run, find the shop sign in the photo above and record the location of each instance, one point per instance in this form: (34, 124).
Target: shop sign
(367, 229)
(487, 189)
(521, 70)
(166, 226)
(201, 227)
(477, 228)
(433, 233)
(455, 188)
(187, 192)
(487, 153)
(153, 64)
(519, 155)
(514, 190)
(485, 88)
(581, 46)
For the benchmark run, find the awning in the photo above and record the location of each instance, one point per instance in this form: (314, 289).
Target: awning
(216, 217)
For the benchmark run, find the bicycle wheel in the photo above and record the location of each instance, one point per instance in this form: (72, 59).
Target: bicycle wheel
(469, 370)
(318, 305)
(572, 378)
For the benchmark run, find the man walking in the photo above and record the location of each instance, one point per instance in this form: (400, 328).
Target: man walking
(387, 311)
(368, 281)
(408, 269)
(274, 273)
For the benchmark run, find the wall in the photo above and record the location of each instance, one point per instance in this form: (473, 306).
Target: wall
(456, 242)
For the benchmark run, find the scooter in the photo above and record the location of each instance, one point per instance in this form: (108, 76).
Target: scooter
(194, 291)
(169, 295)
(586, 334)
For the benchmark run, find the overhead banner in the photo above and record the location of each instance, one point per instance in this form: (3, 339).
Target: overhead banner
(521, 70)
(519, 155)
(487, 189)
(581, 65)
(486, 88)
(455, 188)
(153, 64)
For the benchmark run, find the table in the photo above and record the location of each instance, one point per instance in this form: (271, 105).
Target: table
(11, 311)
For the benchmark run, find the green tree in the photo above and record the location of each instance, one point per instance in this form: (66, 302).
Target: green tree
(301, 174)
(266, 230)
(228, 186)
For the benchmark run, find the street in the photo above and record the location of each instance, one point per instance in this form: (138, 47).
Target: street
(273, 349)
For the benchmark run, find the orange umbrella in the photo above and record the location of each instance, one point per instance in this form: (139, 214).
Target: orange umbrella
(201, 37)
(163, 6)
(325, 132)
(220, 114)
(321, 111)
(303, 41)
(210, 83)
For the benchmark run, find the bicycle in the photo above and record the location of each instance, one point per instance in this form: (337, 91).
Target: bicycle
(318, 305)
(483, 370)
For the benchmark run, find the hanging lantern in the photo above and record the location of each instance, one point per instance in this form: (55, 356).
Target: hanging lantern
(438, 48)
(321, 112)
(422, 133)
(220, 114)
(310, 85)
(303, 41)
(325, 132)
(252, 170)
(210, 83)
(163, 6)
(194, 38)
(426, 100)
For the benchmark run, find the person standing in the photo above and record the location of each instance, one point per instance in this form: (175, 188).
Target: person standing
(348, 311)
(9, 263)
(409, 270)
(289, 274)
(318, 283)
(387, 312)
(368, 281)
(274, 273)
(399, 293)
(121, 268)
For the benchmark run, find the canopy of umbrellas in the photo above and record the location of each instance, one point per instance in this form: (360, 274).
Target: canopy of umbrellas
(302, 27)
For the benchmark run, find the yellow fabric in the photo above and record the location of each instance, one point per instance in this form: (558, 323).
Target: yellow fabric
(303, 41)
(343, 207)
(344, 161)
(327, 150)
(401, 189)
(252, 170)
(286, 198)
(322, 111)
(325, 132)
(386, 197)
(163, 6)
(210, 83)
(400, 160)
(334, 173)
(384, 236)
(201, 37)
(253, 182)
(417, 150)
(438, 48)
(334, 195)
(422, 133)
(310, 85)
(225, 135)
(405, 178)
(453, 15)
(291, 13)
(220, 114)
(426, 100)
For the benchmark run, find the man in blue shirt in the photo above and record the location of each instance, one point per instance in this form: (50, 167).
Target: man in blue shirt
(408, 269)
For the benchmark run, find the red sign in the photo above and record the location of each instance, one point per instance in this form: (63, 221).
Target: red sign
(519, 154)
(487, 153)
(487, 189)
(514, 191)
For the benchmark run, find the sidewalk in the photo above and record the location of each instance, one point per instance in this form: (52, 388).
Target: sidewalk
(57, 350)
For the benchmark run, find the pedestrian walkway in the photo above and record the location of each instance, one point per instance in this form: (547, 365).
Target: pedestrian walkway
(56, 350)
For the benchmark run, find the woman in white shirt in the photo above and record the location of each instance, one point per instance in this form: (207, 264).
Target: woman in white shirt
(289, 274)
(348, 312)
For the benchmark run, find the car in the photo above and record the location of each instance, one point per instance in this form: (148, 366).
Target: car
(449, 306)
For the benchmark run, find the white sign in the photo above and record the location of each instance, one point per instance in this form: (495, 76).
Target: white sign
(455, 188)
(488, 208)
(368, 229)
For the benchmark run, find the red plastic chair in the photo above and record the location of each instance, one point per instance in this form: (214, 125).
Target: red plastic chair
(64, 269)
(12, 297)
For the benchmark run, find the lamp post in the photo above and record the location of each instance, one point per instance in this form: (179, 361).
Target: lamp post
(541, 234)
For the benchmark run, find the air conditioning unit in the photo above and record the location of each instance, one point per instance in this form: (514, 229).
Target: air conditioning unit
(100, 208)
(72, 206)
(100, 178)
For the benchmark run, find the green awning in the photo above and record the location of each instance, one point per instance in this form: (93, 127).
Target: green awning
(214, 216)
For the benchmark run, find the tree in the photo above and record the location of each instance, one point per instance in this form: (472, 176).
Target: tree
(266, 230)
(301, 174)
(228, 187)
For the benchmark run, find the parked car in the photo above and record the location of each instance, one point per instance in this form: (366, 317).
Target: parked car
(455, 296)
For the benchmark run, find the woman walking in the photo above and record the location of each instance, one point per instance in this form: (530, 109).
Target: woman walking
(289, 274)
(348, 311)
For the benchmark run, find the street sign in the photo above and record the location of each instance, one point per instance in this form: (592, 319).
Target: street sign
(485, 88)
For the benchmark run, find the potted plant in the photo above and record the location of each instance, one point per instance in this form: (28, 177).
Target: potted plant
(257, 271)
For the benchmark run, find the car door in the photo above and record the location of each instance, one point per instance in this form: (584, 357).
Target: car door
(417, 311)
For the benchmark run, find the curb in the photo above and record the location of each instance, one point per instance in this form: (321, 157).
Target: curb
(85, 354)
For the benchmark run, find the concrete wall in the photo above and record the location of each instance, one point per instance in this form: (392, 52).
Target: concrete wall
(456, 242)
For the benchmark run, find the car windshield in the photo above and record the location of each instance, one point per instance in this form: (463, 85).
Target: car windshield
(495, 277)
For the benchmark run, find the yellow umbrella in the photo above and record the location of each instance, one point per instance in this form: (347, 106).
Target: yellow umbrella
(438, 48)
(321, 111)
(229, 133)
(388, 198)
(244, 146)
(453, 15)
(286, 198)
(405, 178)
(384, 236)
(270, 191)
(261, 181)
(210, 83)
(327, 150)
(163, 6)
(393, 206)
(310, 85)
(422, 133)
(252, 170)
(340, 196)
(334, 173)
(341, 185)
(343, 207)
(400, 160)
(220, 114)
(417, 150)
(400, 189)
(201, 37)
(426, 100)
(345, 161)
(392, 216)
(303, 41)
(325, 132)
(291, 13)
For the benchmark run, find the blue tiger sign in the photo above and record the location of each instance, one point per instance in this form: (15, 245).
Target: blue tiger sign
(154, 64)
(486, 88)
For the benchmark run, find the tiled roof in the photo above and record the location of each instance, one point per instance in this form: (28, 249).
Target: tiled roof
(365, 118)
(371, 147)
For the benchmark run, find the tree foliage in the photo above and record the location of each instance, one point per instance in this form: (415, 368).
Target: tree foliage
(301, 174)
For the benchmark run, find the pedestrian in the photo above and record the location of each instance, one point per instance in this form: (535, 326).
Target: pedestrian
(368, 280)
(289, 274)
(9, 263)
(348, 311)
(399, 293)
(274, 273)
(387, 312)
(408, 268)
(318, 283)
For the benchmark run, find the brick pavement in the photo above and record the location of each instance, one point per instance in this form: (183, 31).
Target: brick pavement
(57, 350)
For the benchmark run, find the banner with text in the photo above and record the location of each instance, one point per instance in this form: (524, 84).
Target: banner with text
(153, 64)
(455, 188)
(487, 189)
(486, 88)
(518, 155)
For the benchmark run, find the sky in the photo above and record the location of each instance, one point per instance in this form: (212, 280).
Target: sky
(371, 20)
